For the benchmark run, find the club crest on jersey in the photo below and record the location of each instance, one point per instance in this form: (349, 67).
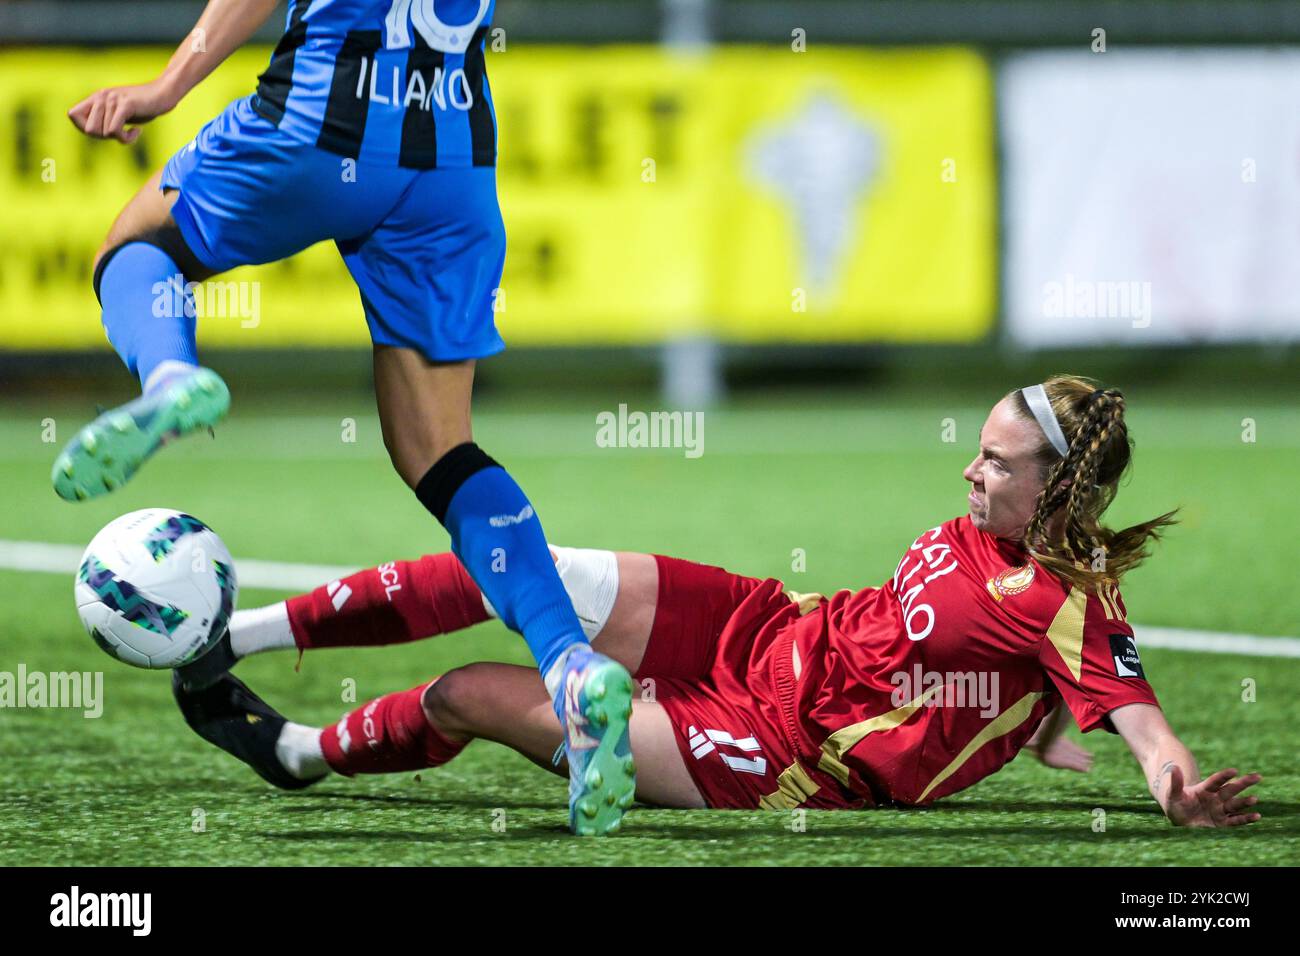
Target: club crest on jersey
(1011, 581)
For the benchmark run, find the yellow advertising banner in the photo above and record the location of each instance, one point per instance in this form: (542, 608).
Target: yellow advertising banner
(752, 194)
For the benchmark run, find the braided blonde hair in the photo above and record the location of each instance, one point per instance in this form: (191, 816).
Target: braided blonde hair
(1084, 483)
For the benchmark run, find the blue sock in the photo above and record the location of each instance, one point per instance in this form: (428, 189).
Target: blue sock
(499, 538)
(147, 313)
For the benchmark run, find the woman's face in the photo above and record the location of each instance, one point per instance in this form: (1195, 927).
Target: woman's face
(1005, 477)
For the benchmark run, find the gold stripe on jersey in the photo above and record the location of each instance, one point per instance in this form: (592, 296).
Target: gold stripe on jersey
(833, 766)
(846, 738)
(1107, 602)
(1066, 631)
(794, 786)
(1114, 601)
(999, 726)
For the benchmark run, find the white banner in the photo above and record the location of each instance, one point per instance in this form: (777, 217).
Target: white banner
(1152, 196)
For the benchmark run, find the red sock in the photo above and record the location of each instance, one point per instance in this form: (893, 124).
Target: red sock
(389, 734)
(393, 603)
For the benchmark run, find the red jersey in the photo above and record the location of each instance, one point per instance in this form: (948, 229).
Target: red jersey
(917, 689)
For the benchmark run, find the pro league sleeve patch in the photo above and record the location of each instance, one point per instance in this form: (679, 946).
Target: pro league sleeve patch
(1123, 650)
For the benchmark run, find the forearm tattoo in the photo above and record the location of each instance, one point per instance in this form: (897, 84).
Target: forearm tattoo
(1155, 784)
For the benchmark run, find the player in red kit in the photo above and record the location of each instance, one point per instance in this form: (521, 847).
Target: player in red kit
(993, 626)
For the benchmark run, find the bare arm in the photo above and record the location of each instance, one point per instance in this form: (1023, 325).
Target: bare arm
(1050, 745)
(1051, 728)
(224, 26)
(1173, 777)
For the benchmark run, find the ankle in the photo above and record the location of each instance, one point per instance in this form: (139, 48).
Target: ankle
(299, 751)
(165, 373)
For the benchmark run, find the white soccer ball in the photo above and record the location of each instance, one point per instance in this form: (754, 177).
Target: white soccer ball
(156, 588)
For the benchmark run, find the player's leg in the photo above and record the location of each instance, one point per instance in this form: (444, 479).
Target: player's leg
(616, 595)
(664, 619)
(424, 408)
(613, 594)
(141, 278)
(427, 726)
(242, 192)
(428, 277)
(143, 253)
(394, 603)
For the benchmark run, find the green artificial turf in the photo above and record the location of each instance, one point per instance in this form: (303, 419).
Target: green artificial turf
(850, 480)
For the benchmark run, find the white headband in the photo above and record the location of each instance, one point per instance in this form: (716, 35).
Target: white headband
(1036, 398)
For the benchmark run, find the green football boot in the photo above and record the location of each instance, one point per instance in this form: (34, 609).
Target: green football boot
(595, 707)
(106, 453)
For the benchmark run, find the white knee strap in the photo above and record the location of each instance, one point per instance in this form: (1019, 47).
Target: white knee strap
(591, 579)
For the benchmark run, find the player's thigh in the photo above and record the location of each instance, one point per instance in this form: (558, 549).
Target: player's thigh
(626, 634)
(662, 778)
(149, 209)
(147, 217)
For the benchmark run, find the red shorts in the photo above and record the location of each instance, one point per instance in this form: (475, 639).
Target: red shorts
(711, 660)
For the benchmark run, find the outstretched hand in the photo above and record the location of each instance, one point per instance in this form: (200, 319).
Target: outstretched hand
(105, 113)
(1214, 802)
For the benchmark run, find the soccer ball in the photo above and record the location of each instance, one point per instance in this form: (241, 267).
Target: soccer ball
(156, 588)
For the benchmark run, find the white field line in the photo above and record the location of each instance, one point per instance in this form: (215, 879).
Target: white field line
(40, 556)
(1215, 642)
(276, 575)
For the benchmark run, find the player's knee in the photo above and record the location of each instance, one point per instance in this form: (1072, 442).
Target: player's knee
(111, 247)
(450, 702)
(102, 258)
(107, 249)
(102, 251)
(166, 238)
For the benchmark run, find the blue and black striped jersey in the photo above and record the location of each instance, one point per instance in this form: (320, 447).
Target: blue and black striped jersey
(385, 80)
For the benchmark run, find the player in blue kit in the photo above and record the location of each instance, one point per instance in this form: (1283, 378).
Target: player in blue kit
(372, 126)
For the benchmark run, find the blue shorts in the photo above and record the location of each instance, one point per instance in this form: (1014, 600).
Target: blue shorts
(425, 246)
